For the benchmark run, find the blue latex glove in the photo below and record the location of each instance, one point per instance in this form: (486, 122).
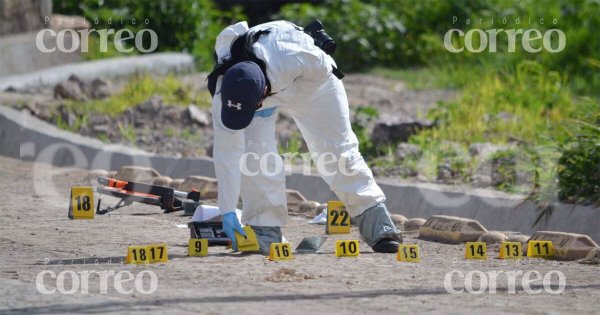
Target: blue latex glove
(231, 224)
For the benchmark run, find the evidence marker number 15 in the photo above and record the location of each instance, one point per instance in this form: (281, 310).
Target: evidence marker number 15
(81, 203)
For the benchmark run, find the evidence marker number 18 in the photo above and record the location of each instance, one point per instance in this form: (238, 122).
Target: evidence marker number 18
(81, 203)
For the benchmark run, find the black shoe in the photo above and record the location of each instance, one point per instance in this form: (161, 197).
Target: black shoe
(386, 245)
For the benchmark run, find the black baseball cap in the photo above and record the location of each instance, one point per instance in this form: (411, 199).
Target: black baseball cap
(241, 90)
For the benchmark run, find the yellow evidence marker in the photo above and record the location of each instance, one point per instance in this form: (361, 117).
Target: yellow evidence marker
(158, 253)
(198, 247)
(81, 203)
(511, 250)
(346, 248)
(280, 251)
(476, 250)
(137, 255)
(408, 253)
(540, 249)
(338, 218)
(247, 243)
(147, 254)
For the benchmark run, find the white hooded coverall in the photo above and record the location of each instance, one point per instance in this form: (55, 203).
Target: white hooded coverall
(301, 77)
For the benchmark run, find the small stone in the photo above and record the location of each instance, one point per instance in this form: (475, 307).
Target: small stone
(391, 129)
(308, 206)
(567, 246)
(407, 150)
(172, 113)
(294, 198)
(199, 116)
(593, 257)
(504, 116)
(94, 174)
(151, 106)
(413, 224)
(518, 238)
(492, 238)
(398, 220)
(207, 186)
(138, 174)
(70, 89)
(176, 183)
(100, 88)
(319, 209)
(163, 181)
(451, 229)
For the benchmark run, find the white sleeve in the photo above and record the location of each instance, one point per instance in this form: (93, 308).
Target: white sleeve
(306, 65)
(228, 149)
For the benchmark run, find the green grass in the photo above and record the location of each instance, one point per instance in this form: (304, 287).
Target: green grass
(140, 89)
(529, 105)
(128, 133)
(455, 76)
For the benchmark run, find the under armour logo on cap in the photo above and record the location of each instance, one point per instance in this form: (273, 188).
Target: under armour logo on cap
(242, 90)
(238, 106)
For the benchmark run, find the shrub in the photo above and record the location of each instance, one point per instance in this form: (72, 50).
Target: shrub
(579, 165)
(182, 25)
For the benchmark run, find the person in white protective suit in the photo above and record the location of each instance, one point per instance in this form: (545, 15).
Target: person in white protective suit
(259, 71)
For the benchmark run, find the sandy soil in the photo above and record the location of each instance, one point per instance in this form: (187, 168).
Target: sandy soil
(36, 235)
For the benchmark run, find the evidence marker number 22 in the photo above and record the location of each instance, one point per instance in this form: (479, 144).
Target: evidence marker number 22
(338, 218)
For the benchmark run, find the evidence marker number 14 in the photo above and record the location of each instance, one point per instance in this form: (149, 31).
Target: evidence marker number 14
(476, 250)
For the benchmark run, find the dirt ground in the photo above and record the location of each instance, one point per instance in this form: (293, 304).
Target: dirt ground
(37, 236)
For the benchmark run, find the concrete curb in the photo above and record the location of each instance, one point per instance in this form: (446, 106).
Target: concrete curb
(159, 63)
(28, 138)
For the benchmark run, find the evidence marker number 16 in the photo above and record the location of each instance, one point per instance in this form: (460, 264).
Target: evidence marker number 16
(280, 251)
(81, 203)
